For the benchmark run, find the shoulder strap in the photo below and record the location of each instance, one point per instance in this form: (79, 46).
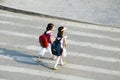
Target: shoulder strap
(58, 39)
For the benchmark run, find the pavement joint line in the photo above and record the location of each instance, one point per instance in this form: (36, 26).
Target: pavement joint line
(71, 42)
(69, 65)
(3, 79)
(41, 73)
(87, 34)
(85, 55)
(2, 7)
(85, 26)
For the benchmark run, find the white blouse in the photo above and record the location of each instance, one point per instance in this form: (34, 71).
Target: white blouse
(62, 41)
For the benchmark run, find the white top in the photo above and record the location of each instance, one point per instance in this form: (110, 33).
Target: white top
(62, 41)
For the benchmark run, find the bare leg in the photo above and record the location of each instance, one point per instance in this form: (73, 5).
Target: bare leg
(49, 49)
(62, 62)
(56, 63)
(41, 53)
(38, 59)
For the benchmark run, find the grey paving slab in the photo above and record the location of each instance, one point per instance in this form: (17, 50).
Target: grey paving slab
(88, 58)
(105, 12)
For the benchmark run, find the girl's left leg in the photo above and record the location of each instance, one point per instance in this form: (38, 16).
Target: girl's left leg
(56, 63)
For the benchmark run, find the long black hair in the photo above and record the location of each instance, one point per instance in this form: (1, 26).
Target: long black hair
(49, 27)
(60, 33)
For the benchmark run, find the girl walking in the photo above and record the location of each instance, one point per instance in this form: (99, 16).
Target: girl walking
(43, 49)
(61, 39)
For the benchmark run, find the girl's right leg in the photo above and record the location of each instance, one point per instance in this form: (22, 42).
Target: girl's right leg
(49, 49)
(41, 53)
(62, 62)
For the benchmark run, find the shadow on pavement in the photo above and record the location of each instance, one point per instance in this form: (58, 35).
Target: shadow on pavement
(22, 57)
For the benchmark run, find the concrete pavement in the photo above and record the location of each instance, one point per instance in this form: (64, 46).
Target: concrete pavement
(104, 12)
(92, 51)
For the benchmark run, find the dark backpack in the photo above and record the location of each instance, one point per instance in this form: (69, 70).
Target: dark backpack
(43, 40)
(56, 48)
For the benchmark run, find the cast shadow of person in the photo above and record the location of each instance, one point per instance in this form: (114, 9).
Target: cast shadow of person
(21, 57)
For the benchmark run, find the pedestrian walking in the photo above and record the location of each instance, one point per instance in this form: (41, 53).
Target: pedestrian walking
(58, 47)
(45, 40)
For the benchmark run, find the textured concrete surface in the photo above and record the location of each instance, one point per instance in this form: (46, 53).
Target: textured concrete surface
(105, 12)
(93, 52)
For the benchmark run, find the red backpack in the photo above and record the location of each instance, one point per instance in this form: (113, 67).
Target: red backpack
(43, 40)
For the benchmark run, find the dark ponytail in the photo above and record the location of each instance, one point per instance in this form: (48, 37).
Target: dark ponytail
(49, 27)
(60, 33)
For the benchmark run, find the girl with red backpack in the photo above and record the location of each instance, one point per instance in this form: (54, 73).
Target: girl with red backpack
(46, 40)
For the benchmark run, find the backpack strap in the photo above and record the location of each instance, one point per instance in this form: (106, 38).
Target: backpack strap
(58, 39)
